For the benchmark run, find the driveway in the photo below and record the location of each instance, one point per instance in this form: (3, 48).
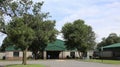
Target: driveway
(61, 63)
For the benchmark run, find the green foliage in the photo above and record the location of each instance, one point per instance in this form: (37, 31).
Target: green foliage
(15, 8)
(44, 32)
(111, 39)
(25, 16)
(5, 44)
(19, 33)
(78, 35)
(2, 25)
(27, 20)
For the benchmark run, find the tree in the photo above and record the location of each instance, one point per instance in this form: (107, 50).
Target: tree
(45, 33)
(20, 35)
(103, 42)
(2, 24)
(111, 39)
(28, 16)
(5, 44)
(78, 36)
(18, 11)
(18, 8)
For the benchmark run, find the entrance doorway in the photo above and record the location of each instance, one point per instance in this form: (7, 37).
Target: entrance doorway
(53, 54)
(72, 54)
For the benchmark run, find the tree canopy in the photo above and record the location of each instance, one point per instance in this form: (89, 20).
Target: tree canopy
(78, 36)
(111, 39)
(20, 35)
(28, 25)
(5, 44)
(45, 33)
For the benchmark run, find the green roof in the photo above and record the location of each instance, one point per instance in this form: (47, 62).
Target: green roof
(58, 45)
(11, 48)
(112, 46)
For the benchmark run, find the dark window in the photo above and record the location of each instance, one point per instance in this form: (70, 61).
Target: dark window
(16, 54)
(72, 54)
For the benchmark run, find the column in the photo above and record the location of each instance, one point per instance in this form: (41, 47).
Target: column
(45, 55)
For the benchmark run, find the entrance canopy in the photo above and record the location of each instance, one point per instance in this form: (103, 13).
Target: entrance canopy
(57, 45)
(117, 45)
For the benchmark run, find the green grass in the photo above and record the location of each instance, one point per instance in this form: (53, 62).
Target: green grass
(104, 61)
(29, 65)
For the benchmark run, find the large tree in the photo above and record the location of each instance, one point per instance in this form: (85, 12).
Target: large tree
(31, 21)
(78, 36)
(18, 30)
(20, 35)
(45, 33)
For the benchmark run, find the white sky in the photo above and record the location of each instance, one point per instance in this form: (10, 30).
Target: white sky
(102, 15)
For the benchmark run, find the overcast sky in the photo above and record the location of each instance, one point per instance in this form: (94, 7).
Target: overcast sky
(102, 15)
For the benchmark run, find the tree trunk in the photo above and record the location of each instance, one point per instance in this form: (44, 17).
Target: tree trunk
(41, 54)
(24, 61)
(84, 55)
(79, 54)
(35, 56)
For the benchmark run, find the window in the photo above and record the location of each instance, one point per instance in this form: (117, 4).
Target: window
(16, 54)
(72, 54)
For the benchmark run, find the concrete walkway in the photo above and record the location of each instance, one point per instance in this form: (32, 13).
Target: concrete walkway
(61, 63)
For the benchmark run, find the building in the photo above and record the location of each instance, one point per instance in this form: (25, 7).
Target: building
(2, 54)
(58, 50)
(15, 54)
(111, 51)
(54, 50)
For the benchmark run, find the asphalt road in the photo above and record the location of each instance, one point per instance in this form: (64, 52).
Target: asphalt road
(60, 63)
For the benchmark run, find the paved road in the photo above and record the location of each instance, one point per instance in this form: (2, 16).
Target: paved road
(61, 63)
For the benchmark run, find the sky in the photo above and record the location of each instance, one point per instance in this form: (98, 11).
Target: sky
(102, 15)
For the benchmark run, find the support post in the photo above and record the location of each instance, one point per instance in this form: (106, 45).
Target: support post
(45, 52)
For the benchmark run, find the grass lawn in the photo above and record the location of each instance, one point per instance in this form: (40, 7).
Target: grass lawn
(29, 65)
(104, 61)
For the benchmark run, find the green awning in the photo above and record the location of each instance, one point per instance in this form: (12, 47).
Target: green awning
(112, 46)
(58, 45)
